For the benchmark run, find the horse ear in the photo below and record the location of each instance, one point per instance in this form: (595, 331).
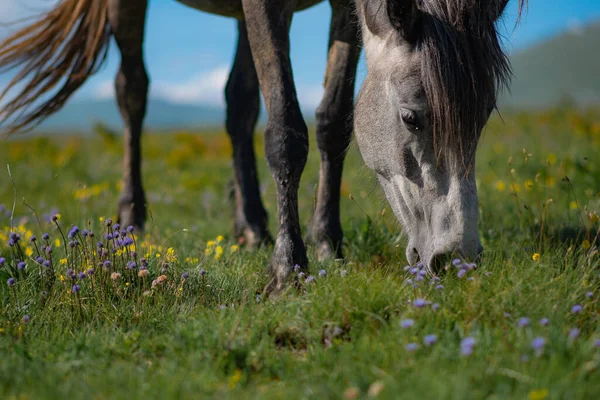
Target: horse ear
(499, 9)
(404, 15)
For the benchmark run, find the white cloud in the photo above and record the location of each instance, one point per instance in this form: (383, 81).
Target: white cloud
(575, 26)
(14, 10)
(205, 89)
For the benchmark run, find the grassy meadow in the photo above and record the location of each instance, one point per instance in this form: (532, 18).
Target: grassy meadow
(189, 320)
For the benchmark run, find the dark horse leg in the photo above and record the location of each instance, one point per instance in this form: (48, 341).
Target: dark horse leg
(127, 18)
(243, 105)
(334, 127)
(286, 135)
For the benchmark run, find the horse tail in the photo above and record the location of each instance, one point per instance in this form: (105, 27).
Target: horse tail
(52, 57)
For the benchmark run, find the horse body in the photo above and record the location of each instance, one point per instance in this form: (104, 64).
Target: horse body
(434, 67)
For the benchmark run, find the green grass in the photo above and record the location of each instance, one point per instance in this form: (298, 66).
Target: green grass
(339, 337)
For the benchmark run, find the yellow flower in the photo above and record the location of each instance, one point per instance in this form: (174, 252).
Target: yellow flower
(552, 159)
(528, 184)
(515, 187)
(101, 219)
(585, 244)
(157, 255)
(127, 284)
(539, 394)
(550, 181)
(56, 242)
(62, 278)
(219, 238)
(500, 186)
(235, 378)
(57, 216)
(234, 248)
(218, 252)
(208, 251)
(210, 243)
(536, 257)
(29, 252)
(63, 261)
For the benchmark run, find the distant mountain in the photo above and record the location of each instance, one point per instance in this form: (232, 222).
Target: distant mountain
(565, 66)
(81, 115)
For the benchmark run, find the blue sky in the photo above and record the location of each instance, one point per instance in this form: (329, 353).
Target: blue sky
(188, 53)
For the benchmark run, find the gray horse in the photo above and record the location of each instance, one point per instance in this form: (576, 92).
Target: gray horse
(434, 69)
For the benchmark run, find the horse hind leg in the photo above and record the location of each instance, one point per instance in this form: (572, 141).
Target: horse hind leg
(127, 19)
(334, 129)
(243, 106)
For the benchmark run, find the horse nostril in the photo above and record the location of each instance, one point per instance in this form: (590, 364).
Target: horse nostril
(439, 261)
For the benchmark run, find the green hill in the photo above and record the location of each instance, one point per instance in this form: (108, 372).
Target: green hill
(565, 66)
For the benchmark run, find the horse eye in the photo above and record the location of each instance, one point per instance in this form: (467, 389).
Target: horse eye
(410, 118)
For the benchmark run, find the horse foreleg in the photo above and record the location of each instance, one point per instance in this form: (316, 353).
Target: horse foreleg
(127, 18)
(243, 105)
(286, 135)
(334, 127)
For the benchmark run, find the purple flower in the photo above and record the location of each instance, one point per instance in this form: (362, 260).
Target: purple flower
(107, 264)
(411, 347)
(576, 309)
(127, 241)
(466, 346)
(46, 236)
(309, 279)
(15, 237)
(73, 232)
(90, 271)
(544, 322)
(419, 278)
(32, 239)
(75, 288)
(322, 273)
(202, 272)
(523, 322)
(131, 265)
(538, 343)
(2, 261)
(72, 244)
(296, 268)
(301, 275)
(46, 263)
(419, 303)
(407, 323)
(99, 245)
(429, 340)
(10, 281)
(185, 275)
(71, 274)
(81, 275)
(439, 287)
(11, 243)
(574, 333)
(26, 319)
(84, 233)
(130, 229)
(461, 272)
(414, 270)
(422, 273)
(435, 306)
(48, 249)
(589, 295)
(123, 233)
(21, 265)
(108, 222)
(108, 236)
(54, 218)
(597, 343)
(39, 260)
(456, 261)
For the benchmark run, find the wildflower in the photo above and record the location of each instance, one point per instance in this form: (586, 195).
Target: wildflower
(159, 281)
(597, 343)
(142, 273)
(322, 273)
(309, 279)
(108, 222)
(81, 275)
(540, 394)
(54, 217)
(63, 261)
(99, 245)
(130, 229)
(73, 232)
(456, 262)
(301, 275)
(90, 271)
(21, 265)
(46, 236)
(39, 260)
(538, 344)
(131, 265)
(576, 309)
(429, 340)
(296, 268)
(46, 263)
(414, 270)
(407, 323)
(26, 319)
(11, 243)
(75, 288)
(544, 322)
(2, 261)
(344, 273)
(218, 252)
(220, 238)
(574, 333)
(15, 237)
(234, 248)
(523, 322)
(107, 264)
(419, 303)
(84, 233)
(435, 306)
(411, 347)
(461, 272)
(32, 239)
(115, 276)
(185, 275)
(585, 244)
(117, 226)
(466, 346)
(10, 281)
(49, 249)
(202, 272)
(535, 257)
(589, 295)
(57, 242)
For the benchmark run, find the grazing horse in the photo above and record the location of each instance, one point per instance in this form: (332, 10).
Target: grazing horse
(434, 69)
